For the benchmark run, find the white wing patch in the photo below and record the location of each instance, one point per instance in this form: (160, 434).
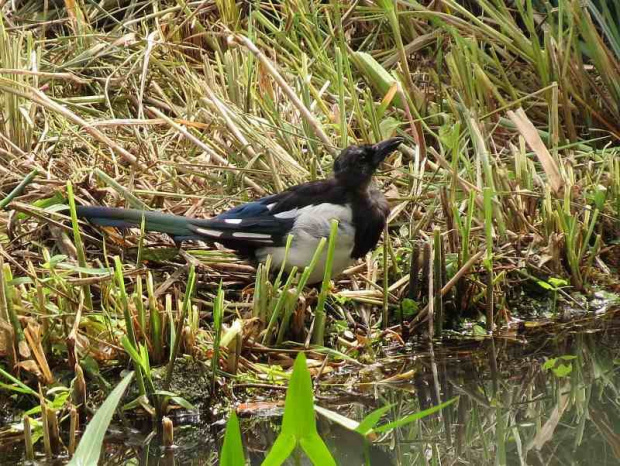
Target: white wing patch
(233, 221)
(250, 235)
(311, 224)
(289, 213)
(207, 232)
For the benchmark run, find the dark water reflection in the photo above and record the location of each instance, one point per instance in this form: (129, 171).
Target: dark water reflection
(511, 408)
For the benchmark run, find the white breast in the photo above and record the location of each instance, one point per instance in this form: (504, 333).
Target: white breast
(311, 224)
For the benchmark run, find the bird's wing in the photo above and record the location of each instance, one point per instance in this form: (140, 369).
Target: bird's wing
(247, 226)
(265, 222)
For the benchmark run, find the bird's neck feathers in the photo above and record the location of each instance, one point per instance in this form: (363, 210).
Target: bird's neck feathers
(354, 184)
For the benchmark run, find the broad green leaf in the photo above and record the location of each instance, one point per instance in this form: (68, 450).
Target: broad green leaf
(89, 448)
(60, 399)
(568, 357)
(549, 363)
(316, 450)
(559, 370)
(545, 285)
(56, 208)
(557, 282)
(562, 370)
(281, 449)
(299, 405)
(299, 424)
(232, 449)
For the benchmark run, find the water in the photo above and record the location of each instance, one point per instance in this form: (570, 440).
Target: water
(547, 395)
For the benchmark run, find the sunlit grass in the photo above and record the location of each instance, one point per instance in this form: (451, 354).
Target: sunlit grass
(509, 176)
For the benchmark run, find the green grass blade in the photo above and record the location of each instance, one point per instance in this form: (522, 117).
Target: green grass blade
(319, 324)
(413, 417)
(232, 450)
(317, 451)
(89, 448)
(281, 450)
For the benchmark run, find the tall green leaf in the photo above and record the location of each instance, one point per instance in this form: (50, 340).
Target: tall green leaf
(232, 449)
(299, 424)
(89, 449)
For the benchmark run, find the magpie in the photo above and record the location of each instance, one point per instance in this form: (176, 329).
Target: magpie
(258, 229)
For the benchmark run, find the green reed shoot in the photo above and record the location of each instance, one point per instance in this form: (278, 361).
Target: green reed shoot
(7, 308)
(290, 303)
(176, 344)
(488, 261)
(293, 298)
(318, 336)
(18, 189)
(79, 246)
(275, 315)
(124, 302)
(139, 303)
(289, 242)
(262, 289)
(438, 276)
(386, 246)
(156, 320)
(218, 315)
(140, 254)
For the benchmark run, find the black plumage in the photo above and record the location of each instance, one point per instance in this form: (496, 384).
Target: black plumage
(261, 227)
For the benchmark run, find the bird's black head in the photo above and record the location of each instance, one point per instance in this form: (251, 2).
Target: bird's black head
(355, 165)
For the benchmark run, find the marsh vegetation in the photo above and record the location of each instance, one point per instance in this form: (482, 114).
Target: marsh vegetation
(483, 327)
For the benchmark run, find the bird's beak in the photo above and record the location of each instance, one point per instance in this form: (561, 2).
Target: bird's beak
(384, 148)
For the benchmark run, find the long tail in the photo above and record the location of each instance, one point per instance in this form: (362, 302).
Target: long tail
(237, 234)
(175, 225)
